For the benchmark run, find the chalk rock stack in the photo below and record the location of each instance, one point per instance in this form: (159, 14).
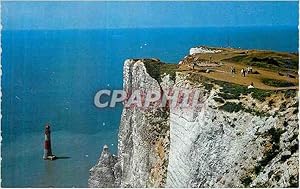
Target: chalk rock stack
(103, 174)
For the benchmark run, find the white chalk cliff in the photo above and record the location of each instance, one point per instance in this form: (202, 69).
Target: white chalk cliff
(255, 144)
(203, 49)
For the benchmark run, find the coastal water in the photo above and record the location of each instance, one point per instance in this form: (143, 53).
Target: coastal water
(52, 77)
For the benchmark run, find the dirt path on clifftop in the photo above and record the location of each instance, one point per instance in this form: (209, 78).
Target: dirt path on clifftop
(223, 73)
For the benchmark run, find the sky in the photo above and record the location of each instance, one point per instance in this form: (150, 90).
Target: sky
(97, 15)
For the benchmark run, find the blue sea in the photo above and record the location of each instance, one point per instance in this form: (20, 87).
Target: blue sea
(52, 77)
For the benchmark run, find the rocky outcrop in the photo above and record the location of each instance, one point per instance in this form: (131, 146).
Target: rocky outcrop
(222, 142)
(104, 174)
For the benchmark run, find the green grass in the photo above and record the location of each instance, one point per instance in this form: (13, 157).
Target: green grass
(197, 78)
(274, 63)
(234, 91)
(236, 107)
(232, 107)
(275, 140)
(296, 105)
(231, 90)
(294, 181)
(246, 181)
(294, 148)
(208, 86)
(257, 113)
(277, 83)
(169, 69)
(156, 69)
(228, 96)
(153, 68)
(220, 100)
(260, 94)
(290, 93)
(275, 134)
(267, 62)
(257, 169)
(238, 58)
(271, 60)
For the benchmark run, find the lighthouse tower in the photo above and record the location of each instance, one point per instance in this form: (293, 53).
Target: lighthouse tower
(47, 147)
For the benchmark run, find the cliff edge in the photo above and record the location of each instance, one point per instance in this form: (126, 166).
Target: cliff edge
(237, 136)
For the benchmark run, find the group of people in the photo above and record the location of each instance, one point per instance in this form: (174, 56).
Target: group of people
(245, 71)
(232, 69)
(194, 64)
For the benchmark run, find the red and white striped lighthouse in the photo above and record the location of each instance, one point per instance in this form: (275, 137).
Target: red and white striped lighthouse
(47, 147)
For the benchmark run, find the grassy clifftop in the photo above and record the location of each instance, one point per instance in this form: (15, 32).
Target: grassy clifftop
(270, 70)
(266, 59)
(274, 75)
(156, 69)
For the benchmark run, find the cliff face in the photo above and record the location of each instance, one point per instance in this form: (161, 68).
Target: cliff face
(143, 137)
(210, 147)
(243, 141)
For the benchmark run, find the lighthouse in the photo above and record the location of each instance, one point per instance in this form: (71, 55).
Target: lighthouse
(47, 146)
